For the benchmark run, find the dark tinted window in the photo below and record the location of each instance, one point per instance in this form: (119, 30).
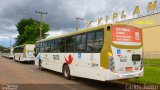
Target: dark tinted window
(70, 44)
(90, 42)
(47, 46)
(41, 47)
(85, 42)
(18, 49)
(56, 43)
(90, 36)
(99, 40)
(83, 38)
(55, 47)
(99, 35)
(52, 46)
(95, 41)
(78, 39)
(80, 45)
(61, 45)
(37, 48)
(136, 57)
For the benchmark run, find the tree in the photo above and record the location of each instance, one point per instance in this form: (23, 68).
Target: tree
(29, 31)
(2, 47)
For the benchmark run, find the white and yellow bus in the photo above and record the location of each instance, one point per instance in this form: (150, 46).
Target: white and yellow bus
(24, 53)
(4, 52)
(106, 52)
(8, 53)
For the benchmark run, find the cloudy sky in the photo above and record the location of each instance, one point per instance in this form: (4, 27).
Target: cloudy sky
(61, 13)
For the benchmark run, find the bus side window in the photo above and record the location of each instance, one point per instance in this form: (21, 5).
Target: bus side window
(21, 49)
(62, 49)
(36, 49)
(52, 46)
(80, 45)
(47, 46)
(95, 41)
(78, 41)
(90, 42)
(41, 47)
(83, 44)
(99, 41)
(55, 46)
(61, 45)
(70, 44)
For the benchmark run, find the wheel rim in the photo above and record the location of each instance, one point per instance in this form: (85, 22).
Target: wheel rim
(66, 72)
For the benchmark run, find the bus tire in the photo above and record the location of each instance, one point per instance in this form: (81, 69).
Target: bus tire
(40, 65)
(19, 59)
(66, 72)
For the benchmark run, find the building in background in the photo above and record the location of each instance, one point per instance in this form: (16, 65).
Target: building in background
(150, 25)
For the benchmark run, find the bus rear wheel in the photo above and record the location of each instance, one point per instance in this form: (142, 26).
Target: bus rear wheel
(40, 65)
(66, 72)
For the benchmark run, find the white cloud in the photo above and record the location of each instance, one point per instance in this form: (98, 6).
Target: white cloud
(61, 13)
(54, 33)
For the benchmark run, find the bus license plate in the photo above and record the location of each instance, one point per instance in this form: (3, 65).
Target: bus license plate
(128, 69)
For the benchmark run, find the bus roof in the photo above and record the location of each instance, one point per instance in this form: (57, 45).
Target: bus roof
(82, 31)
(6, 49)
(75, 32)
(23, 45)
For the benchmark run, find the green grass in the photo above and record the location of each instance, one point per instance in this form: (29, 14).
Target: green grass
(151, 61)
(151, 73)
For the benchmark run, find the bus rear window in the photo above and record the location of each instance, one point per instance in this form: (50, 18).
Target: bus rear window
(136, 57)
(126, 35)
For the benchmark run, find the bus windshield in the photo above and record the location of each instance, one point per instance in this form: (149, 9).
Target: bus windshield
(126, 35)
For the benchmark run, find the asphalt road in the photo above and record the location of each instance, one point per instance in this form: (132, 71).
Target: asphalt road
(19, 76)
